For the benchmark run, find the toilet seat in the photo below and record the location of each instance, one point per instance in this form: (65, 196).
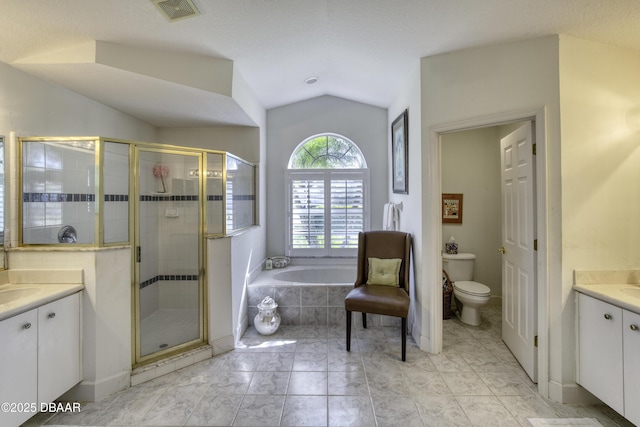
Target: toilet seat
(472, 288)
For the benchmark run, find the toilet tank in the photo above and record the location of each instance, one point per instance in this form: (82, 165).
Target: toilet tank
(459, 266)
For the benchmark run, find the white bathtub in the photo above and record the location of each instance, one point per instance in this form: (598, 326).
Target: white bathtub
(317, 275)
(302, 275)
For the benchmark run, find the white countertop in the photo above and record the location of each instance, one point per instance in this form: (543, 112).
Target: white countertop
(39, 295)
(32, 288)
(617, 287)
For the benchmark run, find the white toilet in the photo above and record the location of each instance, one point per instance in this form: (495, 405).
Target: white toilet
(469, 295)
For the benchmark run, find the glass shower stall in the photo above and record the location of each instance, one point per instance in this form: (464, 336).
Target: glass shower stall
(161, 201)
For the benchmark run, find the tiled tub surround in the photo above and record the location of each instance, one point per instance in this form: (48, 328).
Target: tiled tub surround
(310, 295)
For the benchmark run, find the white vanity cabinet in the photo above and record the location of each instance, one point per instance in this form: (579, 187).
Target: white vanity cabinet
(609, 355)
(39, 357)
(18, 366)
(600, 350)
(58, 347)
(631, 341)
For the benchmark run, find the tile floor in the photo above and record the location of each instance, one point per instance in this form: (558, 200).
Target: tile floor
(302, 376)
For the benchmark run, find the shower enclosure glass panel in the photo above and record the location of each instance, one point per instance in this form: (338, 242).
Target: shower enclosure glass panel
(241, 194)
(169, 252)
(59, 191)
(215, 194)
(116, 192)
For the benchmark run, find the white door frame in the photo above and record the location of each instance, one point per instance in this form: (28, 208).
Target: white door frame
(433, 228)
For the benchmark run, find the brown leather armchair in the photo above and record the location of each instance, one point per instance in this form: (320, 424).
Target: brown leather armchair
(375, 298)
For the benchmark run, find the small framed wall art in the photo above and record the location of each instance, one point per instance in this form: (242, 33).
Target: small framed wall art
(400, 153)
(452, 208)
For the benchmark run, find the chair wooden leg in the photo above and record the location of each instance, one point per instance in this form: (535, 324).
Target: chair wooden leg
(364, 320)
(348, 331)
(404, 339)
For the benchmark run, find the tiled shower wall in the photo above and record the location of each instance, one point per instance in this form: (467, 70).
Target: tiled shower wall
(59, 188)
(116, 192)
(169, 235)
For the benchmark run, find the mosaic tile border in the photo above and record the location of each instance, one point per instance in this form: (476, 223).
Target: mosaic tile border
(174, 277)
(89, 197)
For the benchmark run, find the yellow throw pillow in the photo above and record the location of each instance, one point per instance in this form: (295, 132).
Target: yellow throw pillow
(384, 271)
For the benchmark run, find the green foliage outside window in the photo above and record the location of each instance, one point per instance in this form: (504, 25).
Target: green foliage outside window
(327, 152)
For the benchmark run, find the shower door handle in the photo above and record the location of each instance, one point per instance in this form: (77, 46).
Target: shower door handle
(138, 253)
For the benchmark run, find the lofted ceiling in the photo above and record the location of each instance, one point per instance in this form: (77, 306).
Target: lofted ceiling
(359, 49)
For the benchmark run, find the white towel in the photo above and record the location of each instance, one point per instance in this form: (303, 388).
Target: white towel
(390, 217)
(396, 216)
(385, 216)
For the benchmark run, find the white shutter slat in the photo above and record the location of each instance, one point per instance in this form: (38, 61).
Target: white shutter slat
(307, 213)
(347, 212)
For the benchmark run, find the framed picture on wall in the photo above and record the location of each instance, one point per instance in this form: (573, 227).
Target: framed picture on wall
(400, 153)
(452, 208)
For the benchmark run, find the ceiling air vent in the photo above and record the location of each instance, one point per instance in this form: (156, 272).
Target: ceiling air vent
(175, 10)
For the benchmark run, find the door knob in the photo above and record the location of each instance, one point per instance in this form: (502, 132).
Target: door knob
(502, 250)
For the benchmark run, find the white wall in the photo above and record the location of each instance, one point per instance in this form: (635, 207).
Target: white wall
(411, 215)
(31, 106)
(242, 141)
(288, 126)
(230, 259)
(479, 87)
(471, 166)
(600, 99)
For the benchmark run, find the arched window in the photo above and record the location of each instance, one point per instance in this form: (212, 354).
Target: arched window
(327, 151)
(327, 188)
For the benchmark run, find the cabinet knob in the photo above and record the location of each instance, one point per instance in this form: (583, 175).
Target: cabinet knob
(26, 326)
(634, 327)
(607, 316)
(51, 315)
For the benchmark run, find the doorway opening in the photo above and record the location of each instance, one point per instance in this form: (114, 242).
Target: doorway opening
(499, 212)
(437, 185)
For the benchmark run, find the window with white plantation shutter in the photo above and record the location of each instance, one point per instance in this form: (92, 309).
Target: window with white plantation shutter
(307, 213)
(347, 210)
(327, 206)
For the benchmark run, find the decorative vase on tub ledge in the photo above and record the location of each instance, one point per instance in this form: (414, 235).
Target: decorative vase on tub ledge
(280, 261)
(267, 320)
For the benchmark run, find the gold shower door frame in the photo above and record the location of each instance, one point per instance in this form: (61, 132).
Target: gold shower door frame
(140, 359)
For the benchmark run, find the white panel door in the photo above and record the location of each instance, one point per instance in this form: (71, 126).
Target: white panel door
(519, 325)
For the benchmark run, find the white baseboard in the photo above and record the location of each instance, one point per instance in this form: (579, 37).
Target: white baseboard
(93, 391)
(423, 342)
(223, 345)
(570, 393)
